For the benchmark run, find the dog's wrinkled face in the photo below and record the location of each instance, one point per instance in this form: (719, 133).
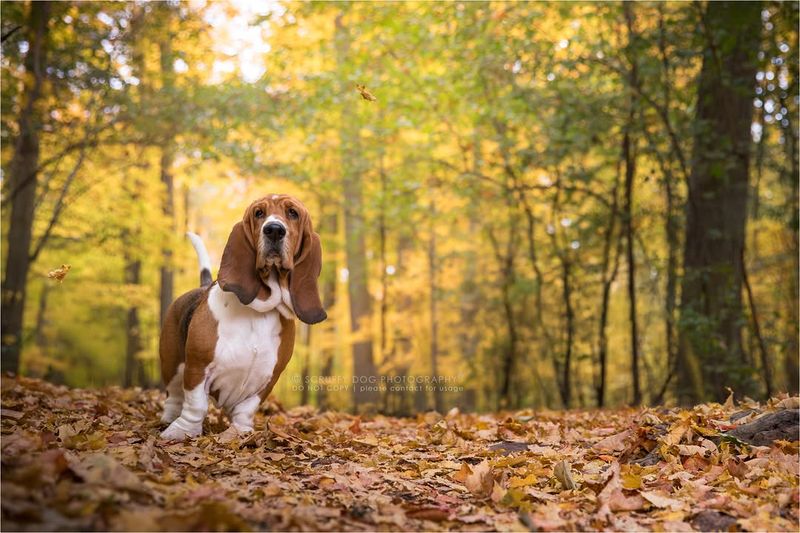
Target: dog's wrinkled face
(275, 232)
(276, 223)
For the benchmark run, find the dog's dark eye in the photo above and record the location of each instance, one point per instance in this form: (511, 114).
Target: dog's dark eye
(259, 213)
(292, 213)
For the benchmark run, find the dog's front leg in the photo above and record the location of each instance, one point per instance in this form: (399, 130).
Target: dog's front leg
(244, 412)
(190, 422)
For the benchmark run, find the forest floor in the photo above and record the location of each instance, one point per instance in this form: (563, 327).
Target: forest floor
(92, 460)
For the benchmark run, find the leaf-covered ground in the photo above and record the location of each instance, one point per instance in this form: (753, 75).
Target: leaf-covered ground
(91, 459)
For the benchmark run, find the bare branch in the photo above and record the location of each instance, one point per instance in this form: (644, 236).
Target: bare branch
(58, 207)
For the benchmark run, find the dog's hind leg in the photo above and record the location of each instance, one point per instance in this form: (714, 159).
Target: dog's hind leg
(174, 403)
(243, 413)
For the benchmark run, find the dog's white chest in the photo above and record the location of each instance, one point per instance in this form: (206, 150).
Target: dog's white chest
(247, 348)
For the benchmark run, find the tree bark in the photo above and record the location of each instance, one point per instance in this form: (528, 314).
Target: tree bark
(566, 380)
(304, 331)
(766, 429)
(167, 274)
(438, 402)
(469, 293)
(505, 260)
(629, 156)
(608, 281)
(790, 176)
(133, 336)
(711, 354)
(23, 177)
(365, 393)
(329, 227)
(670, 224)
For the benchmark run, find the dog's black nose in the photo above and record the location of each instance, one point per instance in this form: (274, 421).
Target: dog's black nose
(274, 231)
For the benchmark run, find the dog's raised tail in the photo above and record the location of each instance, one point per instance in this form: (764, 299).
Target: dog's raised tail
(202, 257)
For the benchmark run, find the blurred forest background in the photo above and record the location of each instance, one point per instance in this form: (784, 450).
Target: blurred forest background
(548, 204)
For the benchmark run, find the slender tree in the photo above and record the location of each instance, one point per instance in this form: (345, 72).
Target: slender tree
(711, 352)
(23, 177)
(365, 373)
(167, 274)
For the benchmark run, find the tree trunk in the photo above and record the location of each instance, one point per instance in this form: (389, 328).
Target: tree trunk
(566, 380)
(469, 301)
(23, 178)
(305, 347)
(438, 402)
(328, 227)
(41, 318)
(759, 338)
(365, 393)
(629, 156)
(167, 273)
(790, 175)
(608, 281)
(710, 347)
(505, 260)
(133, 337)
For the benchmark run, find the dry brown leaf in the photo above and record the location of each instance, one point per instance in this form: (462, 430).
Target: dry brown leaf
(365, 94)
(614, 443)
(563, 472)
(310, 471)
(793, 402)
(662, 500)
(60, 273)
(478, 479)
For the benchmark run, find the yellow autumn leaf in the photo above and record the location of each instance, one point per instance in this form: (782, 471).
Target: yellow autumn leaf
(516, 482)
(631, 480)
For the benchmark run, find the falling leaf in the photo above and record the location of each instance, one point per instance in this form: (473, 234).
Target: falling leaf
(365, 94)
(59, 273)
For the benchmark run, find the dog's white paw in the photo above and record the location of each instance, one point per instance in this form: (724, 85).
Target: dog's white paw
(180, 430)
(170, 414)
(241, 428)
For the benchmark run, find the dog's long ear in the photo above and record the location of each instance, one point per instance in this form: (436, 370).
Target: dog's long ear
(303, 279)
(237, 271)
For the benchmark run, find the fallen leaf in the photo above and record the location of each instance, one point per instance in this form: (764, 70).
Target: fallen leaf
(613, 443)
(563, 472)
(662, 500)
(100, 469)
(477, 479)
(516, 482)
(793, 402)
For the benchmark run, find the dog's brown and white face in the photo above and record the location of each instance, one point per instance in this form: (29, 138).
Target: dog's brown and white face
(278, 220)
(275, 233)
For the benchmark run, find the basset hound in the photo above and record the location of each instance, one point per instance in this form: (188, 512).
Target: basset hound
(231, 339)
